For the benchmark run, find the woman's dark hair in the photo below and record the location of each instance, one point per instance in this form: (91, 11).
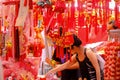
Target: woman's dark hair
(115, 27)
(113, 23)
(77, 41)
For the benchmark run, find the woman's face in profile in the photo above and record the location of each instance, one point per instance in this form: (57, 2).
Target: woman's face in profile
(73, 50)
(70, 50)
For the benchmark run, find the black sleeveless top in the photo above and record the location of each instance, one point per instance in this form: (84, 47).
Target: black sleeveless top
(86, 68)
(67, 74)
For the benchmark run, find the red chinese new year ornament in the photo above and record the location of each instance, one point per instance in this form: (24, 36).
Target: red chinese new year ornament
(59, 6)
(68, 40)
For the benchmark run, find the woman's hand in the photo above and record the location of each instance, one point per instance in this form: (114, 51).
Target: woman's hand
(49, 74)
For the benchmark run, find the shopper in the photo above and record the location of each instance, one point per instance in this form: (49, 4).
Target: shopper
(87, 61)
(67, 74)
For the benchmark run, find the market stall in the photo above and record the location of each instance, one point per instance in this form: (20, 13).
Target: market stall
(30, 30)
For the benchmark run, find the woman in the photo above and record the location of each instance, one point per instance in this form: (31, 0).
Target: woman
(67, 74)
(85, 58)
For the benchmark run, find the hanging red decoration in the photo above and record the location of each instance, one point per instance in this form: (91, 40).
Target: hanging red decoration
(61, 52)
(112, 58)
(25, 2)
(57, 52)
(89, 6)
(30, 4)
(59, 6)
(68, 40)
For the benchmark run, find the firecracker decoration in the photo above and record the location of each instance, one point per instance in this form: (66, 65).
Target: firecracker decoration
(112, 58)
(100, 13)
(76, 21)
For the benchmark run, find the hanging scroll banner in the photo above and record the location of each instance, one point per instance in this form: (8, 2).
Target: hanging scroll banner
(23, 11)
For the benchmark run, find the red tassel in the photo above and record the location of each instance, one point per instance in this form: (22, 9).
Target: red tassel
(35, 19)
(37, 50)
(25, 2)
(30, 4)
(61, 52)
(57, 54)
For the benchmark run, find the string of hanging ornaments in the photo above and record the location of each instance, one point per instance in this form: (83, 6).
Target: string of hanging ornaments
(53, 17)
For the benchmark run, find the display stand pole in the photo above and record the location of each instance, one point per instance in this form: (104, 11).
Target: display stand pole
(15, 36)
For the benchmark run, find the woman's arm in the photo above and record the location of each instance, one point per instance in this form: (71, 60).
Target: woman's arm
(74, 66)
(63, 66)
(92, 57)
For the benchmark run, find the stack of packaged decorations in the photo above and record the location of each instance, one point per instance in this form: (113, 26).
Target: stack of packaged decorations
(112, 57)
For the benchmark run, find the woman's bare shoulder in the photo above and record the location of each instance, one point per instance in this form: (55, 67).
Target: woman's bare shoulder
(89, 52)
(74, 57)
